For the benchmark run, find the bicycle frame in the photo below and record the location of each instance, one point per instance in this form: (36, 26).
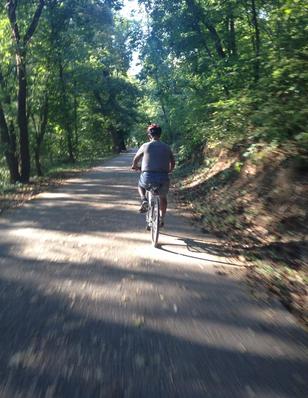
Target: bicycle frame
(153, 213)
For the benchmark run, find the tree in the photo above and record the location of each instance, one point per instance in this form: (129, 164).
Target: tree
(21, 45)
(226, 70)
(53, 72)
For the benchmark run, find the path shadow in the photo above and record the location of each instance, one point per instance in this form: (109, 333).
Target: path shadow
(50, 347)
(196, 246)
(292, 254)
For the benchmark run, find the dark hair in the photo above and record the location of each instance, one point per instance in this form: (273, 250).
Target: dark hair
(154, 130)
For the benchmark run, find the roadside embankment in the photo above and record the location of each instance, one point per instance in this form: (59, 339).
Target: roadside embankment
(256, 196)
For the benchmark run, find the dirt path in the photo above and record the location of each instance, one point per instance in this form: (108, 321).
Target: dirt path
(89, 309)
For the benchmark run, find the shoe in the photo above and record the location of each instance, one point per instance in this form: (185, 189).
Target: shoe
(144, 206)
(161, 223)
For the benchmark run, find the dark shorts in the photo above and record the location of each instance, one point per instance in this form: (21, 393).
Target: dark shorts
(151, 178)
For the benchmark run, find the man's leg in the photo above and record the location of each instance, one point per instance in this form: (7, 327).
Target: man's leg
(163, 209)
(144, 202)
(163, 206)
(141, 192)
(163, 199)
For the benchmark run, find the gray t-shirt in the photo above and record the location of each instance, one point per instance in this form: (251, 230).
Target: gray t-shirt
(156, 156)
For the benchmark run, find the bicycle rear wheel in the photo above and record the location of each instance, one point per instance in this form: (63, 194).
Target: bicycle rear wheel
(148, 215)
(155, 220)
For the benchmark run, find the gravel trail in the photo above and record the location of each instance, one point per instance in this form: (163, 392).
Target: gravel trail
(89, 309)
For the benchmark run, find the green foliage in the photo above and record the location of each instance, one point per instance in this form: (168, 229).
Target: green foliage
(80, 100)
(4, 175)
(227, 71)
(238, 166)
(302, 139)
(213, 71)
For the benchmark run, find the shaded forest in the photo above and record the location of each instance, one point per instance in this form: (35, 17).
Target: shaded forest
(65, 93)
(212, 72)
(227, 71)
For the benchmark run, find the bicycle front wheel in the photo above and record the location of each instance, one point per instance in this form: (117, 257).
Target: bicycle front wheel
(155, 220)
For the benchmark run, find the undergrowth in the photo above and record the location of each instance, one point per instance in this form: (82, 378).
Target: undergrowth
(254, 197)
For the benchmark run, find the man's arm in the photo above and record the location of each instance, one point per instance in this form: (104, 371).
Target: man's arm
(137, 158)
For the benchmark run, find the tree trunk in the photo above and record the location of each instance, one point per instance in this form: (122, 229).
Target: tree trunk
(39, 135)
(216, 39)
(66, 118)
(76, 119)
(37, 159)
(22, 119)
(115, 140)
(163, 106)
(112, 131)
(71, 156)
(8, 137)
(257, 41)
(199, 16)
(122, 143)
(9, 148)
(231, 32)
(21, 45)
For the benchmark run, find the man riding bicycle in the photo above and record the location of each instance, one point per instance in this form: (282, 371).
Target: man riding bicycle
(157, 162)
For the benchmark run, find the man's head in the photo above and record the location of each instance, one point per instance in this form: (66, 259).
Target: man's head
(154, 131)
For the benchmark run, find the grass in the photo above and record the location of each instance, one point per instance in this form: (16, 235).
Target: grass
(59, 169)
(51, 170)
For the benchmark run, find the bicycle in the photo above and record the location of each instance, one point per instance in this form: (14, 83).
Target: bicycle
(153, 212)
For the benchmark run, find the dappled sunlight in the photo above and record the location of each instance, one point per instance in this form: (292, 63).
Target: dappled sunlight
(114, 168)
(122, 302)
(163, 311)
(85, 290)
(140, 246)
(58, 245)
(203, 175)
(94, 301)
(106, 310)
(121, 308)
(129, 187)
(81, 200)
(54, 195)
